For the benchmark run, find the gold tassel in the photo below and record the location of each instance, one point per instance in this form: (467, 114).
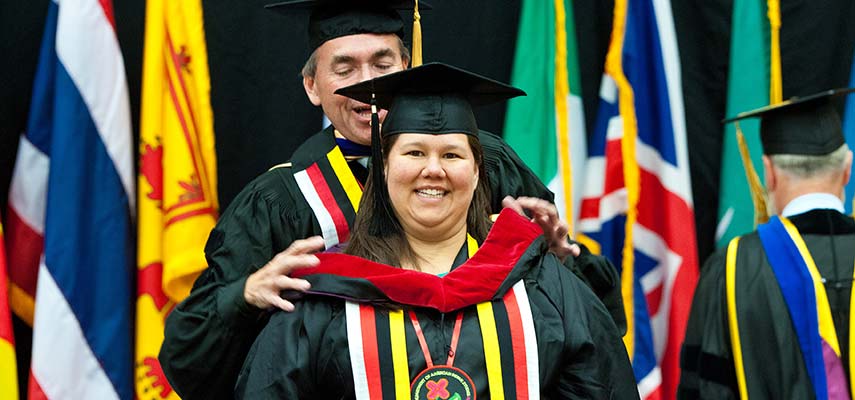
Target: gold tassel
(758, 194)
(417, 37)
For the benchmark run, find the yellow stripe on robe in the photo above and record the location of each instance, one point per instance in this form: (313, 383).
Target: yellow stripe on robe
(733, 320)
(491, 350)
(348, 181)
(399, 354)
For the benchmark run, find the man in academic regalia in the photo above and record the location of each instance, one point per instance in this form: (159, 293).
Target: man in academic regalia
(771, 314)
(258, 240)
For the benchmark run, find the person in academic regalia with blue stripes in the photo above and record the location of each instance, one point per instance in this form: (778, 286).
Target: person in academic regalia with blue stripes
(431, 300)
(772, 311)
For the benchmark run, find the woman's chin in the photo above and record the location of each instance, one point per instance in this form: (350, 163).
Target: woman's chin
(427, 224)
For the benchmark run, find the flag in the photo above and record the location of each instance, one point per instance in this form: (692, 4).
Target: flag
(26, 215)
(8, 366)
(77, 143)
(637, 202)
(849, 133)
(547, 127)
(27, 196)
(177, 177)
(750, 85)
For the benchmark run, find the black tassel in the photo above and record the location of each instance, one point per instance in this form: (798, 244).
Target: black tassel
(384, 221)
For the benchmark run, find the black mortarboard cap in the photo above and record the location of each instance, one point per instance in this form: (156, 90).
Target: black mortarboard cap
(434, 99)
(808, 125)
(330, 19)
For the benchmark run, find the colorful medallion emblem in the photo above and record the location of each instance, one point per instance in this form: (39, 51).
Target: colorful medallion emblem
(443, 383)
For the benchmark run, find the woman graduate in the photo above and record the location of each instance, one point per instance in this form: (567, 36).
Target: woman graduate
(417, 308)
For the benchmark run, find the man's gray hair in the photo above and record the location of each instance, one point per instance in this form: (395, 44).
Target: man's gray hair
(804, 166)
(311, 65)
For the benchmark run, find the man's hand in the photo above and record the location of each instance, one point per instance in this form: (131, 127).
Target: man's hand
(545, 214)
(264, 286)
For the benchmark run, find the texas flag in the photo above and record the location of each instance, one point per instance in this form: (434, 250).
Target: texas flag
(72, 201)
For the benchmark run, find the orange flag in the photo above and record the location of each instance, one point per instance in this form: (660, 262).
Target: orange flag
(178, 179)
(8, 367)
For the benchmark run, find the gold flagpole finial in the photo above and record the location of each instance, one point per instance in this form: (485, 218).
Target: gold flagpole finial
(776, 89)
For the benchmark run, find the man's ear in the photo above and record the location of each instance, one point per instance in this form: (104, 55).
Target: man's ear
(847, 170)
(769, 173)
(309, 85)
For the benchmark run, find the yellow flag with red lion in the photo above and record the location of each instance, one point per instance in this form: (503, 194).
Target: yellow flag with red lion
(177, 179)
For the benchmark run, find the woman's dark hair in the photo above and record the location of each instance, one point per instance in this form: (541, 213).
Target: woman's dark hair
(393, 248)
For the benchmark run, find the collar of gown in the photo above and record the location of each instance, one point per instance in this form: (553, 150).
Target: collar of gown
(812, 201)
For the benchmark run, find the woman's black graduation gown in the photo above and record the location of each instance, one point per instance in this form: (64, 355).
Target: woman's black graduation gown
(305, 354)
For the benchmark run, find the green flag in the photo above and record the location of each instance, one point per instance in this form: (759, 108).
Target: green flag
(747, 89)
(547, 127)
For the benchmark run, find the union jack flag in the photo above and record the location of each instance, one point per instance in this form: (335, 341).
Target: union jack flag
(637, 200)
